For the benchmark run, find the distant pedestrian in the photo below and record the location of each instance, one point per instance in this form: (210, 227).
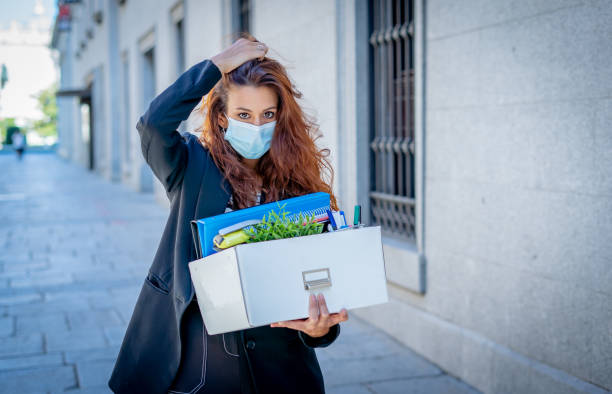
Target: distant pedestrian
(19, 143)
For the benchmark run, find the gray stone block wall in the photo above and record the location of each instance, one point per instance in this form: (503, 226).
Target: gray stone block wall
(518, 195)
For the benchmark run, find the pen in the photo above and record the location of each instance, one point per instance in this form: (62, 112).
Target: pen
(331, 219)
(344, 224)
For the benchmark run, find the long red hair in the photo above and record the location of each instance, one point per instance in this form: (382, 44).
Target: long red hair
(294, 165)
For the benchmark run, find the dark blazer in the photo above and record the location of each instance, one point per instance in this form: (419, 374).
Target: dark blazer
(283, 360)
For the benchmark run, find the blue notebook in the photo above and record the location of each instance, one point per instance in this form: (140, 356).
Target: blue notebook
(204, 230)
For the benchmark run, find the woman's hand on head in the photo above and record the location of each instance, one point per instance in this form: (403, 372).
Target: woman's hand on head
(240, 51)
(319, 320)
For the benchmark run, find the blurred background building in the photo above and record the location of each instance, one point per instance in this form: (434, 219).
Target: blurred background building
(476, 133)
(27, 74)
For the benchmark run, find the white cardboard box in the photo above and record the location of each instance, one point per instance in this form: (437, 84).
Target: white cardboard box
(256, 284)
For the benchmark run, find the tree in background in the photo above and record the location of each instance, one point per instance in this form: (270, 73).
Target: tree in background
(7, 127)
(3, 75)
(5, 123)
(47, 126)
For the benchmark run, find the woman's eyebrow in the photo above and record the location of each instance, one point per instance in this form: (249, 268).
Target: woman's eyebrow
(248, 110)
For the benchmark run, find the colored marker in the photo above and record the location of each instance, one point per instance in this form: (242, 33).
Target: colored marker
(357, 216)
(344, 224)
(332, 221)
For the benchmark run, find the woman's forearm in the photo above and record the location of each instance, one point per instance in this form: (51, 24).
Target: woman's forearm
(162, 146)
(174, 104)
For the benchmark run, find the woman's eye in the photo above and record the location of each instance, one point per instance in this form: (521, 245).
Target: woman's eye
(269, 114)
(243, 117)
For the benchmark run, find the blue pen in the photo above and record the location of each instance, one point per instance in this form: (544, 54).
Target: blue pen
(344, 225)
(331, 219)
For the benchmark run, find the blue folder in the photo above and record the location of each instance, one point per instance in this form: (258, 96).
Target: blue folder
(204, 230)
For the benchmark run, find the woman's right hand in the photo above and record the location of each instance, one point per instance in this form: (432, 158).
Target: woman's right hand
(240, 51)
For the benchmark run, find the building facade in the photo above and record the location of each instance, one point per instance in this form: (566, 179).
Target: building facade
(477, 134)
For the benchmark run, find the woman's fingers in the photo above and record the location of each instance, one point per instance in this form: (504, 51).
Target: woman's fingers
(252, 49)
(260, 49)
(301, 325)
(240, 51)
(313, 308)
(336, 318)
(323, 312)
(319, 319)
(249, 50)
(326, 319)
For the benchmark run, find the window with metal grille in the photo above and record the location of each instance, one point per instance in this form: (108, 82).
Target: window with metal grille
(179, 30)
(392, 198)
(241, 16)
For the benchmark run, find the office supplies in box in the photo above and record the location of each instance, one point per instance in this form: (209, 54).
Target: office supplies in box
(255, 284)
(205, 230)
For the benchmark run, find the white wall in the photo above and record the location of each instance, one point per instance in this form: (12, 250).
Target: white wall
(202, 24)
(91, 67)
(307, 48)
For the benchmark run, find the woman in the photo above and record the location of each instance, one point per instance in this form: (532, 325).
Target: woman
(256, 145)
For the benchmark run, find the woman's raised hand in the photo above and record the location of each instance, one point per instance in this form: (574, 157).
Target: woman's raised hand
(319, 320)
(240, 51)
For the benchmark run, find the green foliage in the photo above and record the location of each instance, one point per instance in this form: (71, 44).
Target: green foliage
(46, 102)
(277, 226)
(3, 76)
(7, 126)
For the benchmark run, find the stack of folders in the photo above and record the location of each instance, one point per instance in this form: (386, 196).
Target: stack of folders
(205, 230)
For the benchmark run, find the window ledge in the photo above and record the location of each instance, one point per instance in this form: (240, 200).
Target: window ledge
(404, 265)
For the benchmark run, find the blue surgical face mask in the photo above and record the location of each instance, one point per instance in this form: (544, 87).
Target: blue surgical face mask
(249, 140)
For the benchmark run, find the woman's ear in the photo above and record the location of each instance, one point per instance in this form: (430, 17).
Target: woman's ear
(222, 120)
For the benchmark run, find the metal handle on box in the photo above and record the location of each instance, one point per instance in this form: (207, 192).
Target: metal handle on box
(317, 283)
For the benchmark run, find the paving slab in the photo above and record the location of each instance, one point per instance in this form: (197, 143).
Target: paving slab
(25, 362)
(37, 380)
(102, 353)
(41, 323)
(75, 340)
(7, 325)
(436, 384)
(94, 373)
(21, 345)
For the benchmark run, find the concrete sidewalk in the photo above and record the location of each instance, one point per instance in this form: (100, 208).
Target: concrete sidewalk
(74, 250)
